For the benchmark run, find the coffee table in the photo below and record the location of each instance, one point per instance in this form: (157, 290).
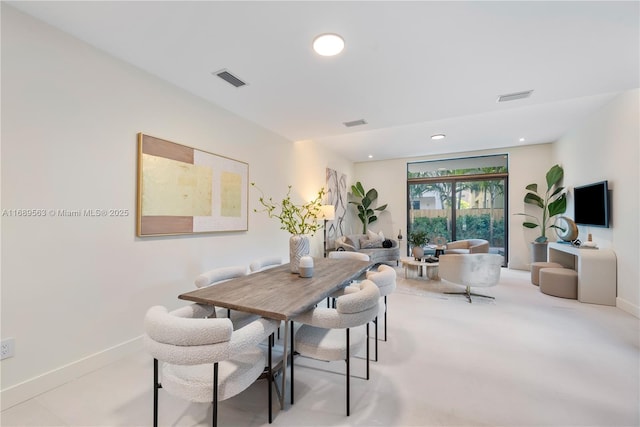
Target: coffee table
(423, 268)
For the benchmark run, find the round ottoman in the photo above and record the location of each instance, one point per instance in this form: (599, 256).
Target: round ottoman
(535, 270)
(559, 282)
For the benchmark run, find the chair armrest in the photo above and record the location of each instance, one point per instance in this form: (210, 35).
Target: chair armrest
(252, 334)
(458, 244)
(479, 248)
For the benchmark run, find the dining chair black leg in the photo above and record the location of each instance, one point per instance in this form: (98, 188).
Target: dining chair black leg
(291, 352)
(270, 378)
(214, 416)
(367, 351)
(155, 392)
(385, 317)
(348, 374)
(375, 321)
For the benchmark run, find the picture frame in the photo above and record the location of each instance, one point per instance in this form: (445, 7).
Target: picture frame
(184, 190)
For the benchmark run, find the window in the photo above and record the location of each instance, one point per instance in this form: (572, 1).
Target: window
(460, 199)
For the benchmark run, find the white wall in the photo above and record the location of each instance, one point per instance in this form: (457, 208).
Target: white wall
(525, 163)
(75, 290)
(605, 147)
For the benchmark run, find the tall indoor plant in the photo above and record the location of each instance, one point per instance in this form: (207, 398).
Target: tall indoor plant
(365, 202)
(300, 220)
(553, 202)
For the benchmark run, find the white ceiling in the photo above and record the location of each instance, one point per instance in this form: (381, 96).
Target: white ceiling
(410, 69)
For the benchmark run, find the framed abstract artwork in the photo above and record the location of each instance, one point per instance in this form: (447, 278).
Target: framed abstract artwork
(183, 190)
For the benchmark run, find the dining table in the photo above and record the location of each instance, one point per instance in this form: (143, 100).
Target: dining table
(279, 294)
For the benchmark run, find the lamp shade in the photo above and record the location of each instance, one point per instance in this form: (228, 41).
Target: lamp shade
(328, 212)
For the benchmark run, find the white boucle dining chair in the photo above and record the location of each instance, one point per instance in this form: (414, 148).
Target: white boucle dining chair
(385, 279)
(336, 333)
(203, 359)
(265, 263)
(348, 255)
(345, 255)
(220, 275)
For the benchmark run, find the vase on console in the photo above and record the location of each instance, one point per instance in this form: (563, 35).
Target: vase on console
(298, 247)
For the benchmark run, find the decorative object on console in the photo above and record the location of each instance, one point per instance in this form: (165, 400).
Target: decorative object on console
(553, 202)
(364, 204)
(566, 229)
(298, 220)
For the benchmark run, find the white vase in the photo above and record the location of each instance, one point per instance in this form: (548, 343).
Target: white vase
(298, 247)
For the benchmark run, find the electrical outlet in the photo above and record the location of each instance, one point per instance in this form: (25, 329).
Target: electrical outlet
(7, 348)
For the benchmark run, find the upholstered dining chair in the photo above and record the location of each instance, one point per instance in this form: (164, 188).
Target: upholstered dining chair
(470, 271)
(265, 263)
(357, 256)
(348, 255)
(203, 359)
(219, 275)
(336, 333)
(385, 279)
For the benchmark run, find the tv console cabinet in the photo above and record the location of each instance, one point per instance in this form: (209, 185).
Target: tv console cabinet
(597, 272)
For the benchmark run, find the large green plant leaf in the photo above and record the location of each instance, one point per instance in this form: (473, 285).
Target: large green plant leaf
(372, 194)
(554, 175)
(529, 224)
(358, 189)
(532, 187)
(366, 202)
(534, 199)
(558, 206)
(381, 208)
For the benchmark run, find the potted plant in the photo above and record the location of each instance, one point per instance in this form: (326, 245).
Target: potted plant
(300, 220)
(553, 202)
(418, 239)
(364, 204)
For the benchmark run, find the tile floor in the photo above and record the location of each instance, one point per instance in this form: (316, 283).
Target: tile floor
(523, 359)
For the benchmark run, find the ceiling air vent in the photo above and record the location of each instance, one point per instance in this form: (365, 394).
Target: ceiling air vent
(355, 123)
(514, 96)
(229, 78)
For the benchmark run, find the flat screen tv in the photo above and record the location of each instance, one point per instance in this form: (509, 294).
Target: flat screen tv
(591, 204)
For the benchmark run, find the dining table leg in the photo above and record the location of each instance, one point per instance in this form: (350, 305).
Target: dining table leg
(285, 350)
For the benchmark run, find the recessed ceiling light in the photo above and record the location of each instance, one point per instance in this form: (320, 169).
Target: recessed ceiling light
(438, 136)
(521, 139)
(328, 44)
(371, 156)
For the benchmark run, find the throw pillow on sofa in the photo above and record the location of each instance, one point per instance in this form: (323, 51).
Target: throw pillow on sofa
(366, 243)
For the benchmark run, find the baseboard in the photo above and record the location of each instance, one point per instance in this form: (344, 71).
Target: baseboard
(33, 387)
(630, 308)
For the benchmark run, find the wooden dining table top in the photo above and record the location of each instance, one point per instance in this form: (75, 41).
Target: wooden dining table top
(277, 293)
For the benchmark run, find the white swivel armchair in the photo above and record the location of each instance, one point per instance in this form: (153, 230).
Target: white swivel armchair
(470, 271)
(333, 334)
(203, 359)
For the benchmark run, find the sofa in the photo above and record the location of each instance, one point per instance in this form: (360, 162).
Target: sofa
(370, 244)
(468, 246)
